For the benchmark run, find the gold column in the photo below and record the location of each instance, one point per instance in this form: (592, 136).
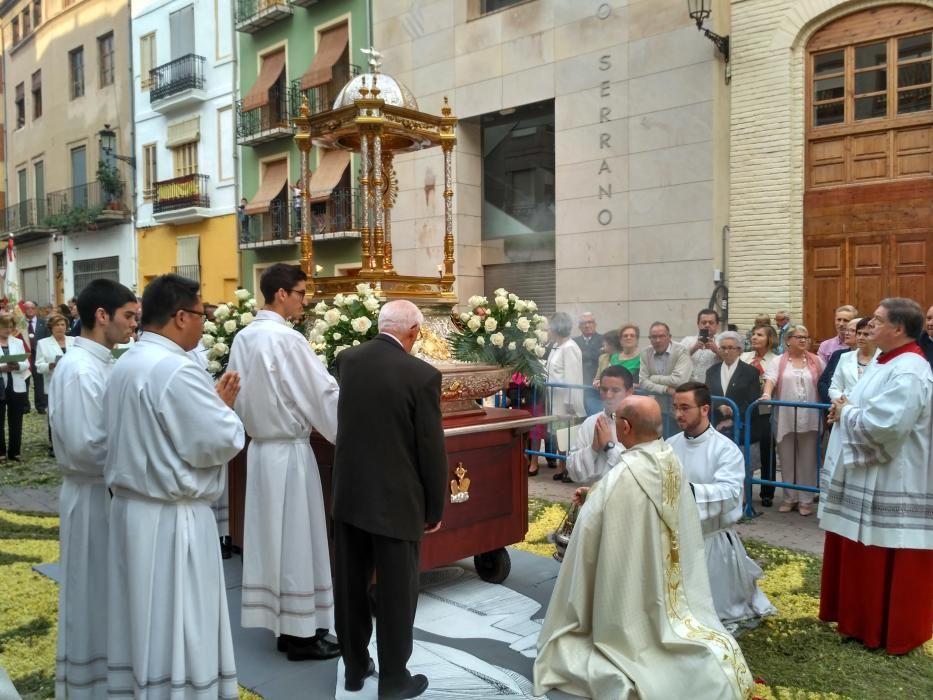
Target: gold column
(364, 196)
(388, 200)
(307, 254)
(448, 212)
(378, 210)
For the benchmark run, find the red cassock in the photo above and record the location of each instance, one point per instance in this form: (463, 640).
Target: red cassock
(881, 596)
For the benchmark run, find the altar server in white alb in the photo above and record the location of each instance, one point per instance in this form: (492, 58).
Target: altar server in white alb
(170, 433)
(715, 468)
(76, 396)
(287, 393)
(876, 501)
(596, 449)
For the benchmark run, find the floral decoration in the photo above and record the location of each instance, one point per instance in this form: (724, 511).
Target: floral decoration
(229, 319)
(507, 332)
(351, 319)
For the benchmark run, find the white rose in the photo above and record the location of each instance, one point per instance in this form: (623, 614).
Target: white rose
(490, 325)
(497, 339)
(320, 325)
(332, 317)
(344, 318)
(531, 306)
(315, 337)
(208, 341)
(230, 326)
(242, 294)
(371, 303)
(339, 300)
(501, 292)
(361, 324)
(530, 344)
(320, 308)
(220, 349)
(523, 324)
(502, 303)
(508, 324)
(513, 297)
(222, 312)
(210, 327)
(464, 317)
(474, 323)
(481, 341)
(337, 336)
(475, 301)
(247, 318)
(542, 336)
(355, 343)
(512, 345)
(520, 306)
(539, 351)
(251, 303)
(339, 349)
(350, 298)
(363, 289)
(214, 367)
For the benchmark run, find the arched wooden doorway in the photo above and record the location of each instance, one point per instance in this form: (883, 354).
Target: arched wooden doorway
(868, 204)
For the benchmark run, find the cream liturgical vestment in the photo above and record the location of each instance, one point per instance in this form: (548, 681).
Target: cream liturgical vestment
(169, 437)
(285, 392)
(76, 397)
(716, 468)
(631, 615)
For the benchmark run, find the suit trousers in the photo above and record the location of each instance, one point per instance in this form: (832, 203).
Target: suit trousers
(396, 564)
(41, 398)
(11, 413)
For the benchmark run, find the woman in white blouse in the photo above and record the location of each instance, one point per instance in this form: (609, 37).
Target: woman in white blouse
(51, 349)
(564, 366)
(853, 364)
(13, 394)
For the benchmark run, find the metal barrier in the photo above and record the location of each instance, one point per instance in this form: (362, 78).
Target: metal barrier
(750, 479)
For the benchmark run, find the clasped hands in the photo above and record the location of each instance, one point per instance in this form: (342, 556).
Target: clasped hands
(602, 435)
(835, 413)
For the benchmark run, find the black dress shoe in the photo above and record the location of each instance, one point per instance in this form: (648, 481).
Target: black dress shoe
(226, 551)
(283, 640)
(357, 683)
(566, 478)
(766, 502)
(416, 685)
(314, 649)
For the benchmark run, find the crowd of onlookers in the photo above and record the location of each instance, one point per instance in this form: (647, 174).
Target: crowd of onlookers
(772, 361)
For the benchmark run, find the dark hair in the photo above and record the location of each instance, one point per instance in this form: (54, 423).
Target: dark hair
(612, 340)
(708, 312)
(905, 313)
(64, 310)
(862, 322)
(279, 276)
(620, 372)
(700, 392)
(101, 294)
(660, 323)
(165, 296)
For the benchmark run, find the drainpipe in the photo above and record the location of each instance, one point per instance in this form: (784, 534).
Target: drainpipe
(134, 255)
(237, 179)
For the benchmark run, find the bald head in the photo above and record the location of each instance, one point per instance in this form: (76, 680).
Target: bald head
(638, 420)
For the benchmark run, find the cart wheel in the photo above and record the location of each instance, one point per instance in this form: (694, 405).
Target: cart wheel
(493, 566)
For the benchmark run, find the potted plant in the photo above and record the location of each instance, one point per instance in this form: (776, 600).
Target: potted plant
(111, 185)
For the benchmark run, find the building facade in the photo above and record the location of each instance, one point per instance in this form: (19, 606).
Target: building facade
(185, 142)
(831, 155)
(591, 157)
(294, 53)
(68, 136)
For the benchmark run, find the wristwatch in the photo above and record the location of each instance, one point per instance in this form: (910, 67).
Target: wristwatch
(609, 446)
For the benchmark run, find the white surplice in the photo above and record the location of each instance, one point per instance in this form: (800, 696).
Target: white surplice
(714, 465)
(169, 437)
(285, 392)
(76, 416)
(584, 464)
(877, 480)
(631, 615)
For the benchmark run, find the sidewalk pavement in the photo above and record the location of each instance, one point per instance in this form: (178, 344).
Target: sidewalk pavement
(31, 499)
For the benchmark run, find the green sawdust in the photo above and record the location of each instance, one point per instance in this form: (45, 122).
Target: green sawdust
(37, 467)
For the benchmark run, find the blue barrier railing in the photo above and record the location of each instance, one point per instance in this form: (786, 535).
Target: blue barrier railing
(750, 479)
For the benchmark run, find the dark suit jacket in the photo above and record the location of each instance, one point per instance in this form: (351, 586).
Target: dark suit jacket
(826, 378)
(41, 331)
(926, 344)
(744, 387)
(390, 466)
(591, 350)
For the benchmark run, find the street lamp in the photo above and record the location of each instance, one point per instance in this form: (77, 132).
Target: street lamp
(107, 138)
(699, 11)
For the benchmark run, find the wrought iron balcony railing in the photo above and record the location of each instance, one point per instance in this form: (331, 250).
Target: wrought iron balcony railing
(180, 193)
(22, 215)
(321, 98)
(192, 272)
(338, 215)
(253, 15)
(270, 228)
(174, 77)
(264, 123)
(84, 206)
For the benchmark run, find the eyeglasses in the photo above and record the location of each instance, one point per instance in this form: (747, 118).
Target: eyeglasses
(302, 292)
(800, 337)
(202, 314)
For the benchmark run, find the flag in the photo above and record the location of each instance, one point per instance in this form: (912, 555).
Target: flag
(11, 279)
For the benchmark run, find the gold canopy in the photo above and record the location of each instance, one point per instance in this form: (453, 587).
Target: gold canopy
(376, 116)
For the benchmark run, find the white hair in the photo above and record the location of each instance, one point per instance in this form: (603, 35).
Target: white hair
(730, 335)
(399, 316)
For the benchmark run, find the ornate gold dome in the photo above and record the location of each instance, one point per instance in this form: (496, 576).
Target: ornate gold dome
(391, 90)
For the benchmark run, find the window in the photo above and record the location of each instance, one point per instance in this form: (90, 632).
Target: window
(105, 59)
(150, 173)
(36, 13)
(27, 23)
(877, 80)
(38, 169)
(20, 106)
(95, 268)
(14, 27)
(76, 72)
(487, 6)
(185, 159)
(147, 60)
(37, 94)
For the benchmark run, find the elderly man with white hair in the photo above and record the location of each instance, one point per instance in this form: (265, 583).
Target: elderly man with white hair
(733, 379)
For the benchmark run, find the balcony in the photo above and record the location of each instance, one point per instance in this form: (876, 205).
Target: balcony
(177, 84)
(321, 98)
(253, 15)
(338, 216)
(85, 208)
(303, 3)
(266, 123)
(26, 220)
(181, 200)
(192, 272)
(279, 226)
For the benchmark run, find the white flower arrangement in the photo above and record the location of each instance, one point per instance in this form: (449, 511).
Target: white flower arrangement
(351, 320)
(229, 319)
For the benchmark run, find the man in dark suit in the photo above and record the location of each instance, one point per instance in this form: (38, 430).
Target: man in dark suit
(733, 379)
(591, 347)
(36, 329)
(390, 485)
